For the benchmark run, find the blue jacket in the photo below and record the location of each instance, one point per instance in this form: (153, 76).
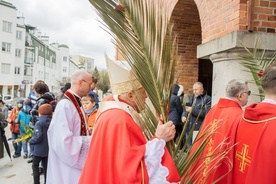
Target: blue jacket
(176, 108)
(40, 139)
(24, 120)
(202, 105)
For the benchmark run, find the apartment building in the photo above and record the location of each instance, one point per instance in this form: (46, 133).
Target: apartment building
(27, 56)
(84, 62)
(12, 39)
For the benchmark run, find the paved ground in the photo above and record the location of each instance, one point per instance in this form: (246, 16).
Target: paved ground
(15, 171)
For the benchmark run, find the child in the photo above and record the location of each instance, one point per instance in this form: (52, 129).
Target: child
(15, 127)
(89, 105)
(40, 141)
(24, 121)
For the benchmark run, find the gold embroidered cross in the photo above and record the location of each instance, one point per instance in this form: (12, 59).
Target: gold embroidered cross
(243, 157)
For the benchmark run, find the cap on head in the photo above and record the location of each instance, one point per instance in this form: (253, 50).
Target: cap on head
(121, 77)
(45, 109)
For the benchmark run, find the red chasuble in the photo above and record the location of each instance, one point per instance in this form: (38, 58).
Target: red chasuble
(225, 117)
(255, 153)
(117, 151)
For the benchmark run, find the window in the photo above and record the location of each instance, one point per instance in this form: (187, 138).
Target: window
(19, 35)
(64, 69)
(5, 68)
(17, 70)
(7, 26)
(89, 66)
(28, 71)
(18, 52)
(6, 47)
(64, 58)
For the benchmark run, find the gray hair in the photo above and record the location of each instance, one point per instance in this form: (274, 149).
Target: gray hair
(234, 87)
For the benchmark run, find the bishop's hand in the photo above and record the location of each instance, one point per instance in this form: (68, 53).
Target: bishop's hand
(165, 131)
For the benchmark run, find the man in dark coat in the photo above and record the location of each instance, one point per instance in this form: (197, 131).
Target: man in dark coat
(198, 106)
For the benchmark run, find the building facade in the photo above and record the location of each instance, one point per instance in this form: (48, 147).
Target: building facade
(12, 39)
(27, 56)
(211, 35)
(84, 62)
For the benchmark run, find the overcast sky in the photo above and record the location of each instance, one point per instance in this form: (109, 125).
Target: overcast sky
(70, 22)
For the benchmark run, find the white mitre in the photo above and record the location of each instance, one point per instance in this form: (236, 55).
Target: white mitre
(121, 77)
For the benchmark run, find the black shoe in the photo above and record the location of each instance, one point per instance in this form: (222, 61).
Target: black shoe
(30, 160)
(16, 155)
(41, 170)
(25, 156)
(30, 155)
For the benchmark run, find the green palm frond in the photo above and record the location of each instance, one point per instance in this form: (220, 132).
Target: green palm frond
(255, 61)
(145, 38)
(142, 33)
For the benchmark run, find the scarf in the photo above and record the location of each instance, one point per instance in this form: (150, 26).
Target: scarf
(88, 112)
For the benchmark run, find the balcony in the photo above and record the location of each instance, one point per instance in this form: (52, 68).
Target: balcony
(28, 61)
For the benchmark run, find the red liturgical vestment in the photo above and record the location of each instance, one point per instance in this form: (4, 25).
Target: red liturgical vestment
(255, 160)
(224, 117)
(117, 151)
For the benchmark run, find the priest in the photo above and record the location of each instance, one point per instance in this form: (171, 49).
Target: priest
(254, 156)
(68, 137)
(119, 152)
(219, 129)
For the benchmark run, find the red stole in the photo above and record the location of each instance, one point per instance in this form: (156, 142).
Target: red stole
(73, 99)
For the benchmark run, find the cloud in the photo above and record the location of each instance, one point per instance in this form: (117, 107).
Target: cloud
(70, 22)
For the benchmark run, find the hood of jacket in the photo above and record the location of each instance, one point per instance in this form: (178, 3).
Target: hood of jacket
(175, 89)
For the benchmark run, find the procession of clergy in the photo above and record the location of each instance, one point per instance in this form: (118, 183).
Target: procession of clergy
(117, 152)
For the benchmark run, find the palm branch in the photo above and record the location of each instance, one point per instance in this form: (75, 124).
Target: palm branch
(145, 39)
(142, 32)
(255, 61)
(26, 136)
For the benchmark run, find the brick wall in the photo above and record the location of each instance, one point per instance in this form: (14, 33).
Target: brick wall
(219, 18)
(186, 22)
(199, 21)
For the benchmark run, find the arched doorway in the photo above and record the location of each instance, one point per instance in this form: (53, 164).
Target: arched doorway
(186, 20)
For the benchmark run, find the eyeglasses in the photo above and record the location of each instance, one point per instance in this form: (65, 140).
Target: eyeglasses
(247, 92)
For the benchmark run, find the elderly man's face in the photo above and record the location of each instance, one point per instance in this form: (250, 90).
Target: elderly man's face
(244, 96)
(197, 89)
(140, 98)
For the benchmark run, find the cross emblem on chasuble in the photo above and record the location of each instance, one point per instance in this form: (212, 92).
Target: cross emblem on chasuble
(243, 157)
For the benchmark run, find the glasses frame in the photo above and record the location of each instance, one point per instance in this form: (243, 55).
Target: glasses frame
(247, 92)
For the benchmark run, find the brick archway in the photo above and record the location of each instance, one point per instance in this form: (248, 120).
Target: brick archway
(187, 25)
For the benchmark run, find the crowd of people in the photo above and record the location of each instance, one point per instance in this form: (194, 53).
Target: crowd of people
(77, 139)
